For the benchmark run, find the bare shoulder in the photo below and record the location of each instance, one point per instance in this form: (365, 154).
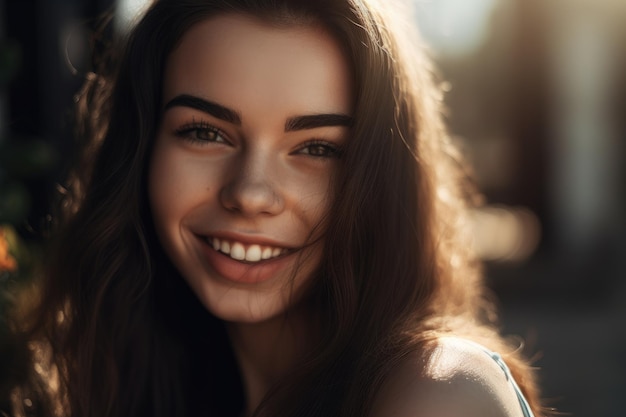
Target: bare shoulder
(456, 379)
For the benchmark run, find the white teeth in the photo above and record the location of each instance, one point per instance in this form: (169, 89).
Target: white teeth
(253, 254)
(238, 251)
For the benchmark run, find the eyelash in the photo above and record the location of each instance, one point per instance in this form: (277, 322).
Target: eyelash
(191, 130)
(332, 150)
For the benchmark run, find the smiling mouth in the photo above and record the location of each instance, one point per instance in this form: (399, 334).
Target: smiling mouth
(244, 252)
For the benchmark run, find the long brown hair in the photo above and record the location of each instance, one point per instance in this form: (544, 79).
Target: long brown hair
(396, 273)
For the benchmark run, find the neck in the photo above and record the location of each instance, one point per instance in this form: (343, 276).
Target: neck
(268, 351)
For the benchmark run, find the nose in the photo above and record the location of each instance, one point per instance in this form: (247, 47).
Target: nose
(252, 191)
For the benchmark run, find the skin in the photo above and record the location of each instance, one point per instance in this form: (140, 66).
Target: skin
(456, 379)
(250, 174)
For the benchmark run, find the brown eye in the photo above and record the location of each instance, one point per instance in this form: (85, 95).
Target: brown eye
(201, 133)
(206, 135)
(320, 149)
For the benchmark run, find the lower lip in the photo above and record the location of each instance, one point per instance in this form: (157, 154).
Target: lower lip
(247, 273)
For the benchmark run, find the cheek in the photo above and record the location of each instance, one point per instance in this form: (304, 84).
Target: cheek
(176, 183)
(163, 189)
(174, 187)
(313, 195)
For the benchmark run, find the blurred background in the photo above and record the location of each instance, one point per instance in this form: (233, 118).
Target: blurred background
(536, 97)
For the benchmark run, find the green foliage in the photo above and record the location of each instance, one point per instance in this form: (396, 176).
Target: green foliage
(10, 61)
(23, 161)
(20, 161)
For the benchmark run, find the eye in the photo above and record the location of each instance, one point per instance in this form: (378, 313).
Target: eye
(320, 149)
(201, 133)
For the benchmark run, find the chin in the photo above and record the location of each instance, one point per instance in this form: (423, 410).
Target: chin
(234, 304)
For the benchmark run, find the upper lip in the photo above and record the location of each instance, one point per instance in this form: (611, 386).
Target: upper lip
(248, 239)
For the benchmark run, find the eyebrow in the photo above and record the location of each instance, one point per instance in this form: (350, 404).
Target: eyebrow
(224, 113)
(317, 120)
(206, 106)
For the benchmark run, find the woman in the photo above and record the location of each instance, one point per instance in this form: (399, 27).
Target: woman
(270, 226)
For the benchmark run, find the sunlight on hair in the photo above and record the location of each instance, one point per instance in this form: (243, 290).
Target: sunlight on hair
(127, 11)
(508, 234)
(42, 355)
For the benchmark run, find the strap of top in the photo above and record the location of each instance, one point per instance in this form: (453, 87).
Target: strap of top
(522, 401)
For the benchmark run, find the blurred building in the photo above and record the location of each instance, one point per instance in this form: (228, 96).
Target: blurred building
(537, 97)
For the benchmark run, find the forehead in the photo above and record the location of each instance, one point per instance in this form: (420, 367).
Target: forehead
(244, 62)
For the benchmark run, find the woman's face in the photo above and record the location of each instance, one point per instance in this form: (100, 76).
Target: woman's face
(254, 118)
